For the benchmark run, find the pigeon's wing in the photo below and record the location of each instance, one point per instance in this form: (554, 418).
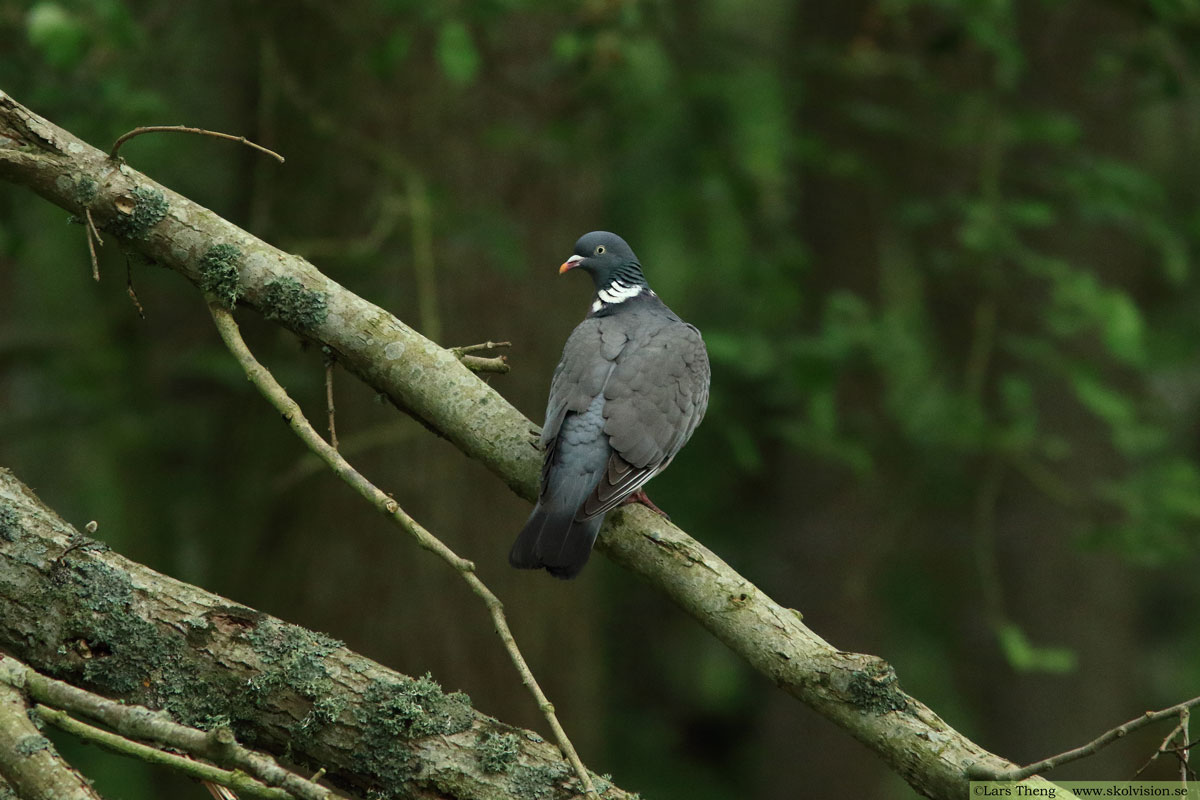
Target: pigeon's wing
(577, 452)
(583, 371)
(655, 398)
(588, 361)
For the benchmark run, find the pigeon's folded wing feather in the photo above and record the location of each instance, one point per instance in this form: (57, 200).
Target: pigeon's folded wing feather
(654, 399)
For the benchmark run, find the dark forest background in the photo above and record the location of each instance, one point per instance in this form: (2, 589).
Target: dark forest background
(944, 255)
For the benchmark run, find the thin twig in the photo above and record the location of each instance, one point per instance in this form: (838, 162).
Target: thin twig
(475, 348)
(1185, 716)
(275, 394)
(88, 232)
(91, 223)
(185, 129)
(480, 363)
(138, 722)
(1162, 748)
(1179, 752)
(333, 440)
(129, 288)
(1092, 747)
(476, 364)
(152, 755)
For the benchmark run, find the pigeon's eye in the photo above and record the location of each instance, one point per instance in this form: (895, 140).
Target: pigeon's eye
(600, 250)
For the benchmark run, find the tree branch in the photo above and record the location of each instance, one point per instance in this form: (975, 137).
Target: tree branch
(858, 692)
(270, 389)
(72, 609)
(482, 363)
(28, 762)
(185, 129)
(152, 755)
(1092, 747)
(138, 722)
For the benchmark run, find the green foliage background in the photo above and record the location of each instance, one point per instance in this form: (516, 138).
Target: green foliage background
(943, 254)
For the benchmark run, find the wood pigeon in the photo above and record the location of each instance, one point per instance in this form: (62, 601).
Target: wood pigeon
(631, 387)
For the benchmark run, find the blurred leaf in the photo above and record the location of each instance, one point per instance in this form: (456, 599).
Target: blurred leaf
(1030, 213)
(648, 66)
(1024, 656)
(1122, 327)
(60, 36)
(567, 46)
(456, 53)
(1110, 405)
(761, 121)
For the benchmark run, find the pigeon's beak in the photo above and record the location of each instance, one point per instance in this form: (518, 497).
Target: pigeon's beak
(570, 263)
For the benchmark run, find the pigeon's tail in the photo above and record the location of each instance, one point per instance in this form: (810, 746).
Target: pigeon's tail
(554, 539)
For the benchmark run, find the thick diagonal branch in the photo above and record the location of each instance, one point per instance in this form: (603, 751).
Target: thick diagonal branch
(71, 609)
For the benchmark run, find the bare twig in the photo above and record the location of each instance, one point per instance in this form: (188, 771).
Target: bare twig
(137, 722)
(1097, 744)
(476, 364)
(275, 394)
(129, 288)
(29, 764)
(480, 363)
(152, 755)
(1183, 751)
(476, 348)
(88, 232)
(333, 440)
(1168, 745)
(91, 223)
(185, 129)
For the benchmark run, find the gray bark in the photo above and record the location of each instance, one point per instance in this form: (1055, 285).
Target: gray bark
(72, 609)
(30, 768)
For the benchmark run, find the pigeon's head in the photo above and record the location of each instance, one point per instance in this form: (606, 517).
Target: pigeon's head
(606, 257)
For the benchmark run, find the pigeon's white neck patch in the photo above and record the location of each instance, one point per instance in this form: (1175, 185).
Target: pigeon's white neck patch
(617, 292)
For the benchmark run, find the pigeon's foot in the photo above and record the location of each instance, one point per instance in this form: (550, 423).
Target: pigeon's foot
(640, 497)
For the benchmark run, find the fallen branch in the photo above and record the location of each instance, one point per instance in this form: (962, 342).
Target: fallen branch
(117, 628)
